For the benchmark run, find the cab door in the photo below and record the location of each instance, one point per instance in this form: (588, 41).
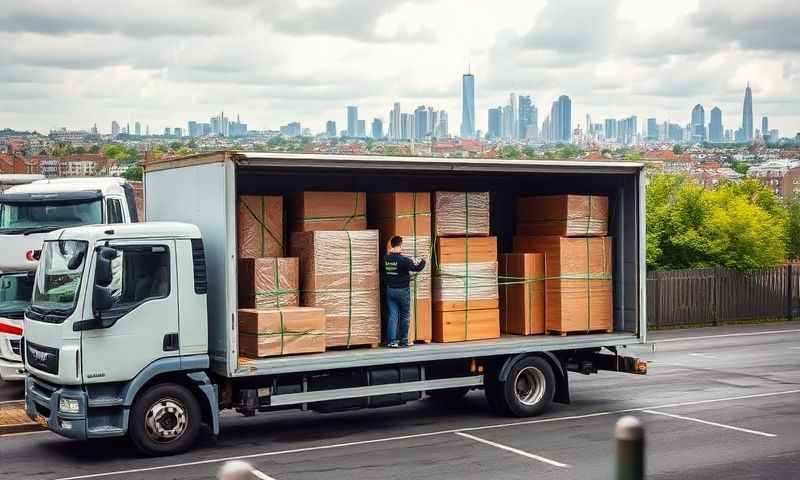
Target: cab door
(144, 317)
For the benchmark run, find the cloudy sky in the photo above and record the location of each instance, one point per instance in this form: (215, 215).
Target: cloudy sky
(75, 63)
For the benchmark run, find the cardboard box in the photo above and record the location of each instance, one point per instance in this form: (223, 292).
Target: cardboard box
(460, 214)
(339, 272)
(522, 293)
(400, 213)
(466, 250)
(269, 282)
(563, 215)
(321, 211)
(578, 285)
(283, 331)
(459, 326)
(260, 226)
(465, 286)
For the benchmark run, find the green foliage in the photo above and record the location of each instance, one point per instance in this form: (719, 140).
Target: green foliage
(183, 150)
(564, 152)
(793, 228)
(737, 225)
(94, 149)
(134, 173)
(633, 156)
(120, 153)
(677, 149)
(741, 167)
(509, 152)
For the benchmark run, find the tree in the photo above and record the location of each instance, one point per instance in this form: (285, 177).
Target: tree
(677, 149)
(793, 228)
(741, 167)
(134, 173)
(509, 152)
(94, 149)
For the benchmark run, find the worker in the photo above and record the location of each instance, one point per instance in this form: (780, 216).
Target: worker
(396, 270)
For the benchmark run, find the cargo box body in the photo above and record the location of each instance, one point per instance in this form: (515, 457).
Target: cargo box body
(205, 190)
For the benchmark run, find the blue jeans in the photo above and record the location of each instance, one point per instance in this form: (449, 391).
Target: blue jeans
(398, 302)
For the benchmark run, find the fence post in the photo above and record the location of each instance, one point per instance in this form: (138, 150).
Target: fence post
(789, 301)
(629, 433)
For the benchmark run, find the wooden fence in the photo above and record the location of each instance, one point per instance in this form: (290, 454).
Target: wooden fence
(715, 295)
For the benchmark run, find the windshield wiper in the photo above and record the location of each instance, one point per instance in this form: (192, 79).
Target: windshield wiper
(41, 229)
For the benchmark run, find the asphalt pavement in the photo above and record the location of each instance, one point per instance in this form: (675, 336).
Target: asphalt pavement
(716, 403)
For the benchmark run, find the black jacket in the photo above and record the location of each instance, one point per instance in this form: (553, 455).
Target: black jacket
(396, 268)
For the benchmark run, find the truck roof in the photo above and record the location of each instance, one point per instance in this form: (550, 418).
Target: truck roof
(106, 185)
(165, 230)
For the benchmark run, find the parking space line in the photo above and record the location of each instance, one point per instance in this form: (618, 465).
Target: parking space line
(417, 435)
(703, 355)
(261, 475)
(514, 450)
(714, 424)
(723, 335)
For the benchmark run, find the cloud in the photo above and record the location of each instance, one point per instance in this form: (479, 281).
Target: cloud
(769, 25)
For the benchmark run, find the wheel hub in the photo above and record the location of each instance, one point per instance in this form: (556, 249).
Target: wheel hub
(166, 420)
(530, 385)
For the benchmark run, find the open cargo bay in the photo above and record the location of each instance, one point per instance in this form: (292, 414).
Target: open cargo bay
(203, 190)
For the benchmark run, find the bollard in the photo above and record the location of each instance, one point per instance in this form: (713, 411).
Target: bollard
(629, 433)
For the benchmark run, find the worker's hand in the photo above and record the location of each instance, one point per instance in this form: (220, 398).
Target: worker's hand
(422, 263)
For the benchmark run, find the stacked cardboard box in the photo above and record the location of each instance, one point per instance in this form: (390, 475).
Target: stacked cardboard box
(408, 214)
(281, 331)
(564, 215)
(522, 293)
(459, 214)
(578, 287)
(339, 272)
(260, 224)
(465, 296)
(320, 211)
(268, 282)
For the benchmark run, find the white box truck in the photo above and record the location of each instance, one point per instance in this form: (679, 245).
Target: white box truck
(28, 211)
(133, 329)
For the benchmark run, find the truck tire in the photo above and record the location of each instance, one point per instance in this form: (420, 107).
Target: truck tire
(165, 420)
(447, 395)
(528, 389)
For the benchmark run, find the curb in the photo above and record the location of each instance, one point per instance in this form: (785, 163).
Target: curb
(13, 419)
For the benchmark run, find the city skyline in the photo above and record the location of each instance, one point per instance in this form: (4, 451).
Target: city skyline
(100, 65)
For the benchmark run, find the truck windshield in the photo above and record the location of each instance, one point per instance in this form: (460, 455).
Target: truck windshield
(58, 280)
(15, 294)
(43, 217)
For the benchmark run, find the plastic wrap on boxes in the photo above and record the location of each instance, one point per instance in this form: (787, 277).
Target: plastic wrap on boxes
(465, 286)
(564, 215)
(268, 282)
(321, 211)
(281, 331)
(459, 214)
(260, 225)
(339, 272)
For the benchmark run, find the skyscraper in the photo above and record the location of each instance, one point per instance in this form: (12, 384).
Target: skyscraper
(495, 123)
(394, 123)
(406, 126)
(652, 129)
(747, 115)
(715, 130)
(377, 128)
(526, 114)
(114, 128)
(610, 129)
(361, 129)
(330, 128)
(764, 126)
(137, 128)
(421, 122)
(698, 123)
(352, 121)
(441, 127)
(561, 120)
(513, 120)
(468, 106)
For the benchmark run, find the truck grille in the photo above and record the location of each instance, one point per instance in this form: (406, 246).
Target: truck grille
(41, 357)
(15, 348)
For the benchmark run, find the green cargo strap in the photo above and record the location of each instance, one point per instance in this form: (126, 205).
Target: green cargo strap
(277, 287)
(355, 211)
(349, 288)
(264, 227)
(283, 330)
(466, 266)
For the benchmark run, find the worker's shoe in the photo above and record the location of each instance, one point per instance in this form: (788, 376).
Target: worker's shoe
(406, 345)
(392, 345)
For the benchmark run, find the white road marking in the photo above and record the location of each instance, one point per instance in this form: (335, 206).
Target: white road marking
(715, 424)
(514, 450)
(722, 335)
(261, 475)
(418, 435)
(703, 355)
(794, 348)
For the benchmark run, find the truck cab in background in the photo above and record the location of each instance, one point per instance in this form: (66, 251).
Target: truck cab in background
(27, 213)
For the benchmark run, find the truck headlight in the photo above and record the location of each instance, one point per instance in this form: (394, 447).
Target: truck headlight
(68, 405)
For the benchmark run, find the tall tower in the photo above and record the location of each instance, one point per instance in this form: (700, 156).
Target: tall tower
(715, 130)
(468, 106)
(747, 114)
(698, 123)
(352, 121)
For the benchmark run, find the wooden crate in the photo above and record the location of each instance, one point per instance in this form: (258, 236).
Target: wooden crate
(563, 215)
(283, 331)
(260, 226)
(522, 309)
(320, 211)
(269, 282)
(459, 326)
(461, 214)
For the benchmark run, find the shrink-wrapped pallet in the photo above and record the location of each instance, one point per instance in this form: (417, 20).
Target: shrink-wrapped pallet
(339, 272)
(321, 211)
(459, 214)
(269, 282)
(260, 226)
(563, 215)
(522, 293)
(281, 331)
(578, 283)
(465, 286)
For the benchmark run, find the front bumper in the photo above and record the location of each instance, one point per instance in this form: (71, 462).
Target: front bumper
(41, 405)
(11, 371)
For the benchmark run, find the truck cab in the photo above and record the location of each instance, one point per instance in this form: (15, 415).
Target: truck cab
(27, 213)
(114, 309)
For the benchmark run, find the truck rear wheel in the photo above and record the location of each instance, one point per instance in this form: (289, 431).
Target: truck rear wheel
(165, 420)
(527, 390)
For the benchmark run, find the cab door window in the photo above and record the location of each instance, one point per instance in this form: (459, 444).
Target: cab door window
(141, 273)
(114, 211)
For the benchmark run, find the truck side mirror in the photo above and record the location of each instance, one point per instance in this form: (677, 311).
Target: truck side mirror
(103, 274)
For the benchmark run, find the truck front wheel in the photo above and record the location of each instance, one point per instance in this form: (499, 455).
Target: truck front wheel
(165, 420)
